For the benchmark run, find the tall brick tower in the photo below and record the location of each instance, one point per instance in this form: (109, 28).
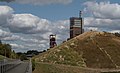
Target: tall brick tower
(52, 41)
(76, 26)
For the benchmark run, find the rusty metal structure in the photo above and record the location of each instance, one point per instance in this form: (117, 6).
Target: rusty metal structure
(52, 41)
(76, 26)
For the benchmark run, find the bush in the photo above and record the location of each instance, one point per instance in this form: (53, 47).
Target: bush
(33, 64)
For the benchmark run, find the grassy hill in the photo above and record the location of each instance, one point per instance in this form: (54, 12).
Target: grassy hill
(1, 57)
(57, 68)
(91, 49)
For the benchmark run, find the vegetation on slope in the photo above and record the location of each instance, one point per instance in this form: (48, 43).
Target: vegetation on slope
(62, 55)
(91, 49)
(55, 68)
(6, 50)
(1, 57)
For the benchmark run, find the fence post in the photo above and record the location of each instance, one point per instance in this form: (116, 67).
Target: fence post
(0, 67)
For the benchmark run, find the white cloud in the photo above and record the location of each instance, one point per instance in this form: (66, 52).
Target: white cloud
(42, 27)
(91, 28)
(17, 46)
(4, 33)
(43, 2)
(6, 10)
(5, 14)
(102, 23)
(115, 31)
(11, 37)
(105, 16)
(31, 30)
(23, 22)
(28, 24)
(103, 9)
(31, 24)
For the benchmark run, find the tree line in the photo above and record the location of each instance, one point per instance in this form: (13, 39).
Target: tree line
(117, 34)
(6, 50)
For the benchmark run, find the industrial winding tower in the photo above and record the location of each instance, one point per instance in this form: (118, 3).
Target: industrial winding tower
(52, 41)
(76, 26)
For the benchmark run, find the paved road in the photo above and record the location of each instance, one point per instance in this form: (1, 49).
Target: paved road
(20, 68)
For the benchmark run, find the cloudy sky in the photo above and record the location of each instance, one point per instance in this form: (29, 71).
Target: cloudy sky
(27, 24)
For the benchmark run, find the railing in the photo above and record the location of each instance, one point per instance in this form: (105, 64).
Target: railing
(29, 67)
(6, 65)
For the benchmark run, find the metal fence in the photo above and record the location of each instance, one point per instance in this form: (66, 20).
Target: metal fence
(29, 67)
(6, 65)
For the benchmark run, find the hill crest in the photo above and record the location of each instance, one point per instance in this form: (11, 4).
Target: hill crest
(91, 49)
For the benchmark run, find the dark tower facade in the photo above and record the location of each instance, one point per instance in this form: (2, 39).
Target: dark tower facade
(76, 26)
(52, 41)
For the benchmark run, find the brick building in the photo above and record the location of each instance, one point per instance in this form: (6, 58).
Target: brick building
(76, 26)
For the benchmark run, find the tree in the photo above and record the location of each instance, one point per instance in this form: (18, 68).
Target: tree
(117, 34)
(33, 52)
(0, 42)
(14, 55)
(6, 50)
(21, 56)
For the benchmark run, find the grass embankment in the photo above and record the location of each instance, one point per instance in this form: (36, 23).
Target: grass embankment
(56, 68)
(91, 49)
(33, 64)
(1, 57)
(62, 54)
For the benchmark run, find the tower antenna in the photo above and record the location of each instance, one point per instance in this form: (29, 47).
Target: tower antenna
(80, 14)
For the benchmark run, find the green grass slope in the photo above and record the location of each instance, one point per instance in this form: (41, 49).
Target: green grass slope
(62, 54)
(1, 57)
(91, 49)
(55, 68)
